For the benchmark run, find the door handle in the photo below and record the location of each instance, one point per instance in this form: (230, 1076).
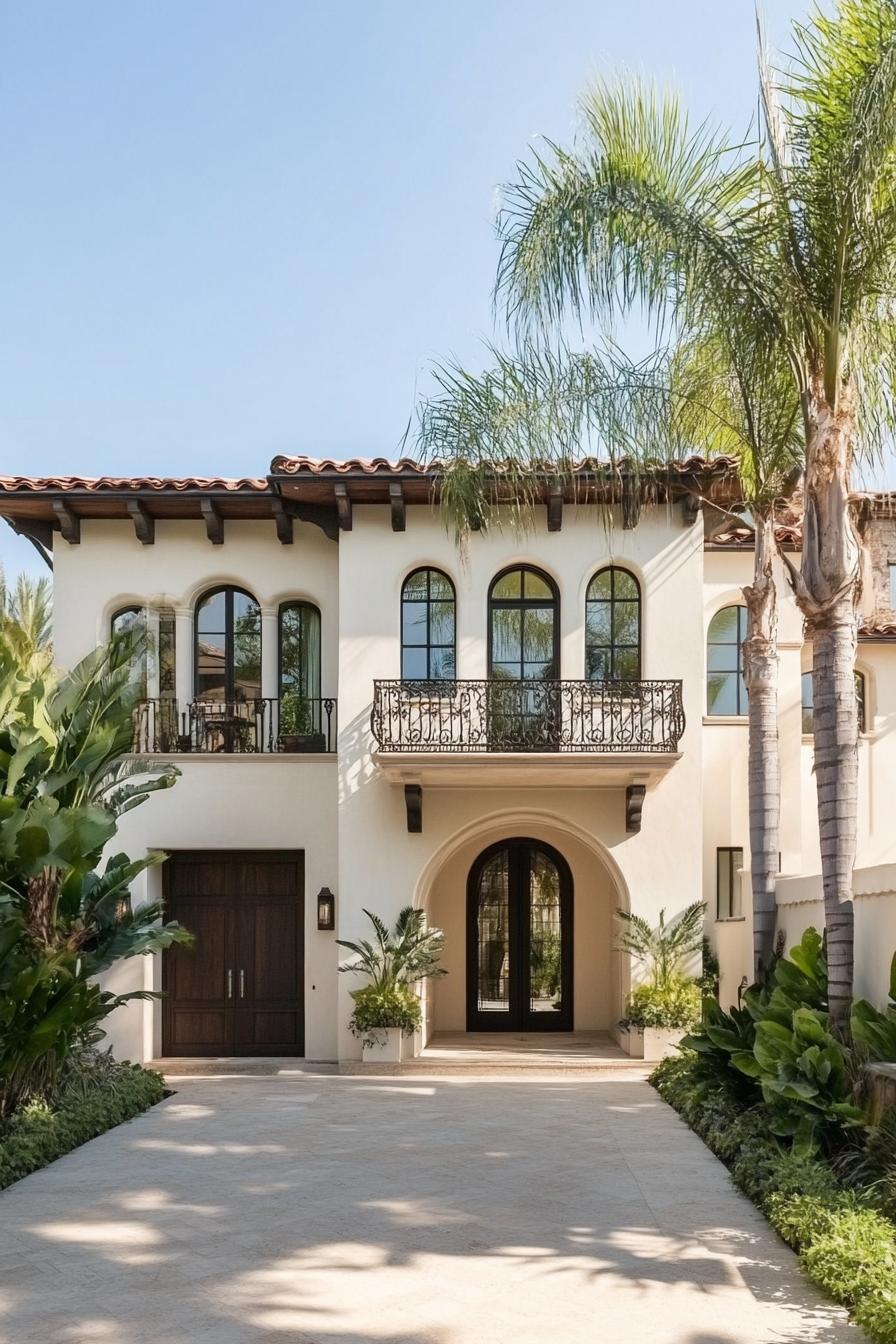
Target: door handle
(229, 983)
(242, 983)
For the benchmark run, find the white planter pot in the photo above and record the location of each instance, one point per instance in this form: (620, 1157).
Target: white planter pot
(387, 1049)
(659, 1043)
(632, 1041)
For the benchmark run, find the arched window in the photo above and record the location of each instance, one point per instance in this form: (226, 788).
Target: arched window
(808, 704)
(299, 657)
(613, 626)
(228, 646)
(427, 627)
(725, 690)
(524, 626)
(130, 622)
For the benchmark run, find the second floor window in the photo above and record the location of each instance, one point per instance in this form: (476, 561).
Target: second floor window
(613, 626)
(726, 693)
(299, 650)
(808, 703)
(228, 646)
(153, 633)
(427, 627)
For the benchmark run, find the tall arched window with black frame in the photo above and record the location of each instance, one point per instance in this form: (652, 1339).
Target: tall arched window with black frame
(613, 626)
(726, 690)
(428, 627)
(228, 647)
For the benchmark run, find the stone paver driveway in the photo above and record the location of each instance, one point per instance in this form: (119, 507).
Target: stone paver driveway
(446, 1211)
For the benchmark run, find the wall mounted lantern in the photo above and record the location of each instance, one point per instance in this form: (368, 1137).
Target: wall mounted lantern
(326, 909)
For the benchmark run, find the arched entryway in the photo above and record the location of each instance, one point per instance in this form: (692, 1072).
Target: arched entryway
(519, 939)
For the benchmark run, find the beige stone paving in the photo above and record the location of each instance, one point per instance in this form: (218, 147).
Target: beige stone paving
(336, 1210)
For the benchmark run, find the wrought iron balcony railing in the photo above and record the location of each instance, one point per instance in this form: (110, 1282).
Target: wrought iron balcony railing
(527, 716)
(235, 727)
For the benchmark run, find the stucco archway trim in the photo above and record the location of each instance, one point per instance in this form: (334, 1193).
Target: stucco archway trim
(517, 821)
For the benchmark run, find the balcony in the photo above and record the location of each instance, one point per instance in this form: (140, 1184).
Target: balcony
(234, 728)
(518, 732)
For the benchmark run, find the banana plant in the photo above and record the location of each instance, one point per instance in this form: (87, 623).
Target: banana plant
(873, 1030)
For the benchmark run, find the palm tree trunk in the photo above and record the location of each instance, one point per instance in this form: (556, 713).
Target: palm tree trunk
(761, 678)
(827, 590)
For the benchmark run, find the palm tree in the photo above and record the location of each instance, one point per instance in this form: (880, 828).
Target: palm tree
(535, 413)
(788, 236)
(26, 613)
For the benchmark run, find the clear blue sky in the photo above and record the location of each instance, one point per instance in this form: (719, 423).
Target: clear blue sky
(237, 229)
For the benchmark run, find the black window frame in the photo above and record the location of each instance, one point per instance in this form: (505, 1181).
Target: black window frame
(729, 851)
(523, 603)
(429, 645)
(297, 604)
(741, 698)
(614, 601)
(229, 590)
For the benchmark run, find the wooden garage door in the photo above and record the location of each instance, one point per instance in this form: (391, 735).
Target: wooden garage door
(239, 989)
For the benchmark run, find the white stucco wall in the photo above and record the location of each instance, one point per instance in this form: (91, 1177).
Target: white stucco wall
(351, 822)
(380, 864)
(267, 802)
(241, 802)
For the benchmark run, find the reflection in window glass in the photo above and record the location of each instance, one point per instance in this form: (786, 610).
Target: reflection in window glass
(130, 623)
(427, 627)
(523, 625)
(726, 693)
(228, 646)
(613, 626)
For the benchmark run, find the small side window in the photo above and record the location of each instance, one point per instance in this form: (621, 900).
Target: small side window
(729, 862)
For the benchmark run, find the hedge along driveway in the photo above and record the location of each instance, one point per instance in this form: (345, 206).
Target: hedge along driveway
(415, 1211)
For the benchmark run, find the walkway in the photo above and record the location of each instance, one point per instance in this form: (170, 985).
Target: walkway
(345, 1210)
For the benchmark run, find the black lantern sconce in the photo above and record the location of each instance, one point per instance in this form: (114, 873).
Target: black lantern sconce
(326, 910)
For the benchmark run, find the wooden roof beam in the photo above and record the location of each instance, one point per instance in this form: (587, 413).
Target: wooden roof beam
(343, 506)
(396, 503)
(144, 523)
(69, 523)
(283, 521)
(214, 523)
(555, 508)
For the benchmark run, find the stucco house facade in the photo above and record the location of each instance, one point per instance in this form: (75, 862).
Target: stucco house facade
(518, 735)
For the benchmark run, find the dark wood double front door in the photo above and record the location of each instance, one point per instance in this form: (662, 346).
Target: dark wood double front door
(239, 989)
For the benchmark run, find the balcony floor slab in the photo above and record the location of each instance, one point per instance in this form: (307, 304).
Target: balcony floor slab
(517, 769)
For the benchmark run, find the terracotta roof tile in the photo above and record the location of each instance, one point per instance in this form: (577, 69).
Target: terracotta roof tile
(383, 466)
(11, 485)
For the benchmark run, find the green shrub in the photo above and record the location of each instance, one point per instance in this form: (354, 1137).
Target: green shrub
(85, 1103)
(378, 1008)
(675, 1005)
(874, 1031)
(845, 1244)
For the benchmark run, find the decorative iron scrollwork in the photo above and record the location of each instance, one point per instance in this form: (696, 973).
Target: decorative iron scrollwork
(527, 716)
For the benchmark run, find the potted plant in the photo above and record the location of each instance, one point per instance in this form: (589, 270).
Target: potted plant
(296, 725)
(667, 1003)
(656, 1018)
(387, 1008)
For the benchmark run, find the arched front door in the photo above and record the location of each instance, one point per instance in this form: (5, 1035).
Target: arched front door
(519, 939)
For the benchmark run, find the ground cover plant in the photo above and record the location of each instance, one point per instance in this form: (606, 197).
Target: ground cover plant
(781, 1097)
(92, 1093)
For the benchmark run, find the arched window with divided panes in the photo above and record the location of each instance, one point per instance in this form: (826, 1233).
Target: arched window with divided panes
(613, 626)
